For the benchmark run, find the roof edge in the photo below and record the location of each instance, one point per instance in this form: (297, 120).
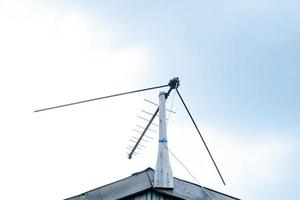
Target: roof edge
(134, 174)
(147, 171)
(208, 188)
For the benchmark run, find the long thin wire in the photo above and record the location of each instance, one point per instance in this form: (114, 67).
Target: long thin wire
(94, 99)
(188, 171)
(200, 136)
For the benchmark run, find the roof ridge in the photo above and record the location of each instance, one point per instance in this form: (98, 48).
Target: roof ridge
(145, 170)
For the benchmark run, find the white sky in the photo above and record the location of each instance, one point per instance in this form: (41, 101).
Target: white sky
(52, 55)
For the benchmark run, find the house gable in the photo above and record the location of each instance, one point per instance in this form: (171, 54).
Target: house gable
(139, 186)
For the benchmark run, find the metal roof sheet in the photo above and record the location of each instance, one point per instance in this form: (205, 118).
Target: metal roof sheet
(142, 181)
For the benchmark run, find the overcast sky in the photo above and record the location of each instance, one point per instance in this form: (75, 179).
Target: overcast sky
(238, 62)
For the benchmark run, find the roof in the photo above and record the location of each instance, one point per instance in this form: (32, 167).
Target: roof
(142, 181)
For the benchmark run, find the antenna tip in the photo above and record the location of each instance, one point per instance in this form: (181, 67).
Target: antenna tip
(129, 156)
(174, 83)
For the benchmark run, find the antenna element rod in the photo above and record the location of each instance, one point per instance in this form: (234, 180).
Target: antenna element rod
(200, 136)
(139, 140)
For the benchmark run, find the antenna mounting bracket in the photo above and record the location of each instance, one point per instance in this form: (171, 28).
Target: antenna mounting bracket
(174, 83)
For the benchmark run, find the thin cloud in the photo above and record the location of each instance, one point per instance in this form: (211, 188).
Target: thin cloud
(53, 56)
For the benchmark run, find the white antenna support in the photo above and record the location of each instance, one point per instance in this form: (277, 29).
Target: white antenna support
(163, 158)
(163, 175)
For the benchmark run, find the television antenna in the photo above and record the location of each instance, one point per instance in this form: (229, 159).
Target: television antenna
(173, 85)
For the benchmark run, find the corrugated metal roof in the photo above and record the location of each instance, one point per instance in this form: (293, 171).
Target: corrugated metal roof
(140, 186)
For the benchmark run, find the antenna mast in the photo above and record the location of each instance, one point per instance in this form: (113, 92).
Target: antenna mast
(163, 175)
(174, 84)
